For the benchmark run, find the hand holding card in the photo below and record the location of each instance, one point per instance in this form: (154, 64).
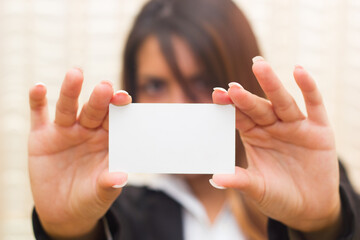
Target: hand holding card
(68, 158)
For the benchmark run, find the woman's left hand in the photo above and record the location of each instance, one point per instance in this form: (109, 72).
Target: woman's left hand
(293, 172)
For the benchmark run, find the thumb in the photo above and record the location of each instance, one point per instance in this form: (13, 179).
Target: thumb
(248, 182)
(110, 184)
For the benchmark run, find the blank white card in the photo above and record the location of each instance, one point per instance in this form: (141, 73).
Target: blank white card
(172, 138)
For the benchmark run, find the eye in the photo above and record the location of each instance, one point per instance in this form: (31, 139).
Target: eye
(153, 86)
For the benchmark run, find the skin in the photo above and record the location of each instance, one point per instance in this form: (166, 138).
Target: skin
(293, 170)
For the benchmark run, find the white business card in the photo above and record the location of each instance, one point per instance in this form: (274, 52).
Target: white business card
(172, 138)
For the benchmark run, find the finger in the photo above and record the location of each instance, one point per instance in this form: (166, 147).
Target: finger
(109, 185)
(120, 98)
(38, 106)
(313, 100)
(67, 105)
(258, 109)
(283, 103)
(243, 122)
(243, 180)
(220, 96)
(93, 112)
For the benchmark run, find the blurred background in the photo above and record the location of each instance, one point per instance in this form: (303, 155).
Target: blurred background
(41, 39)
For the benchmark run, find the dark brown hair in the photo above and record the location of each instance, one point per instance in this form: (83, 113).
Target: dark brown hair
(216, 31)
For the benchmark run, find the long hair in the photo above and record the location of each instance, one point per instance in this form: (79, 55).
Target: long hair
(217, 33)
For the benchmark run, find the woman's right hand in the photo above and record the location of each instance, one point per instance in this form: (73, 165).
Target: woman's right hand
(68, 158)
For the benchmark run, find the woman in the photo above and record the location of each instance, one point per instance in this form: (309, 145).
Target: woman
(177, 51)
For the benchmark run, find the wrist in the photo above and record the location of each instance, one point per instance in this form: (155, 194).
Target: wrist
(74, 230)
(329, 228)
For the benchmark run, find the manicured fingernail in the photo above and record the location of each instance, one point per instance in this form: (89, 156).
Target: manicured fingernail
(40, 84)
(107, 82)
(298, 66)
(215, 185)
(235, 84)
(219, 89)
(122, 91)
(79, 68)
(257, 59)
(120, 185)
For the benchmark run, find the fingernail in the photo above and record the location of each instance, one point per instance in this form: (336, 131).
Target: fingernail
(298, 66)
(80, 69)
(120, 185)
(215, 185)
(40, 84)
(107, 82)
(122, 91)
(257, 59)
(219, 89)
(235, 84)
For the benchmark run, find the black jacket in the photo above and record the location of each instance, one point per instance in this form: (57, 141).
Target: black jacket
(144, 214)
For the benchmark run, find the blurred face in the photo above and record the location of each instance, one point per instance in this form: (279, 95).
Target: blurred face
(156, 82)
